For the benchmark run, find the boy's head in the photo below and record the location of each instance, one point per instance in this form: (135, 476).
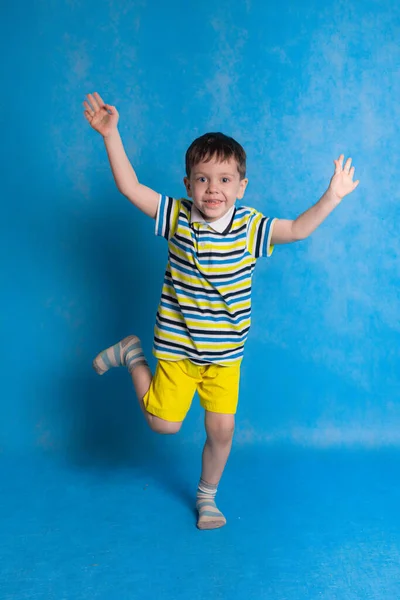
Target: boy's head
(215, 174)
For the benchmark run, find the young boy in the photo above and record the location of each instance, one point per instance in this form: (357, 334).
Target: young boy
(204, 313)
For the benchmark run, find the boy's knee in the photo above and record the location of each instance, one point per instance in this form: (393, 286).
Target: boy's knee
(164, 427)
(221, 433)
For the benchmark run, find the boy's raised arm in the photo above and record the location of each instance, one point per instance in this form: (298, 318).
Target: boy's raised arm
(104, 119)
(286, 231)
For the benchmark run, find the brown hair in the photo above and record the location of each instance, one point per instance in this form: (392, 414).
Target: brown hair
(222, 146)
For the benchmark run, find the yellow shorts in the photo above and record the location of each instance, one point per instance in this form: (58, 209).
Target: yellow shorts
(175, 383)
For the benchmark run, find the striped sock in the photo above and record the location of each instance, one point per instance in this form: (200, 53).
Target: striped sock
(209, 515)
(128, 353)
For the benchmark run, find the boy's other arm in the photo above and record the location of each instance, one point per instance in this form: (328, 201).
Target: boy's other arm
(285, 231)
(126, 179)
(104, 119)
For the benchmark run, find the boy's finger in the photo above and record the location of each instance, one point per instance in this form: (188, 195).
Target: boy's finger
(93, 102)
(356, 184)
(99, 99)
(88, 108)
(86, 104)
(352, 172)
(111, 109)
(347, 165)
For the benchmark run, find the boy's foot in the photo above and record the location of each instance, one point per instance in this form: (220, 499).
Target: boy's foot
(209, 515)
(126, 353)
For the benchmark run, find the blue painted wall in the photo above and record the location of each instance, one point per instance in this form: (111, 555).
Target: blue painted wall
(296, 83)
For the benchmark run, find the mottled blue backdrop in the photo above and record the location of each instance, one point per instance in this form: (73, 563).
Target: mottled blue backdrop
(297, 83)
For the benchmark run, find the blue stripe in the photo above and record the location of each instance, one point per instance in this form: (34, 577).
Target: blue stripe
(237, 299)
(222, 241)
(184, 222)
(186, 249)
(133, 346)
(161, 215)
(208, 513)
(227, 283)
(211, 301)
(104, 356)
(204, 503)
(117, 356)
(220, 260)
(192, 272)
(133, 358)
(265, 245)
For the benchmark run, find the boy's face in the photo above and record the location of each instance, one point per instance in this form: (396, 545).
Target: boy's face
(214, 187)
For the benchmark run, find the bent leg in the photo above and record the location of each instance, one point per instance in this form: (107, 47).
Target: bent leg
(128, 353)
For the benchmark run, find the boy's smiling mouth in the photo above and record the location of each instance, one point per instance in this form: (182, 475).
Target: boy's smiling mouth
(213, 202)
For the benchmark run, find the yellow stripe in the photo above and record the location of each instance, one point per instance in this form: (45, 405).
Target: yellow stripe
(183, 339)
(211, 270)
(222, 248)
(200, 346)
(173, 222)
(219, 247)
(252, 231)
(215, 304)
(196, 324)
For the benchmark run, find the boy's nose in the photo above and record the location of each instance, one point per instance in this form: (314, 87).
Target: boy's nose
(212, 187)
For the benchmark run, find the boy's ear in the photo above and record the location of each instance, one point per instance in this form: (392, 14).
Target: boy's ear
(242, 188)
(186, 181)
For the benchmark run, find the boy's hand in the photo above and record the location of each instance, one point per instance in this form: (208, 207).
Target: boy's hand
(342, 182)
(102, 117)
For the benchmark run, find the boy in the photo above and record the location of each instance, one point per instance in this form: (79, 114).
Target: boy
(204, 313)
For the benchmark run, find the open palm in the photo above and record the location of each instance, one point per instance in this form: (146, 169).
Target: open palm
(102, 117)
(342, 181)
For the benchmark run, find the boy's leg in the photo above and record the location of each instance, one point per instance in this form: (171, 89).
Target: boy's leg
(219, 429)
(219, 392)
(128, 352)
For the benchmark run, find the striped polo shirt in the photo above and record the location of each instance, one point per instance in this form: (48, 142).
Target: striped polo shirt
(205, 308)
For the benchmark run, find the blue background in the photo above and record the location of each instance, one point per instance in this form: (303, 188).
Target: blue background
(92, 501)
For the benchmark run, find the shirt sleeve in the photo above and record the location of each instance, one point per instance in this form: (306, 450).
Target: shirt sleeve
(167, 217)
(259, 232)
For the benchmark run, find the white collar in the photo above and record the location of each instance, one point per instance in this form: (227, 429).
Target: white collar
(219, 226)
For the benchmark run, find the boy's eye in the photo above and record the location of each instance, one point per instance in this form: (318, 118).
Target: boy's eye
(225, 180)
(202, 179)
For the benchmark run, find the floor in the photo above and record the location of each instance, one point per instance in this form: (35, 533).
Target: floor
(302, 524)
